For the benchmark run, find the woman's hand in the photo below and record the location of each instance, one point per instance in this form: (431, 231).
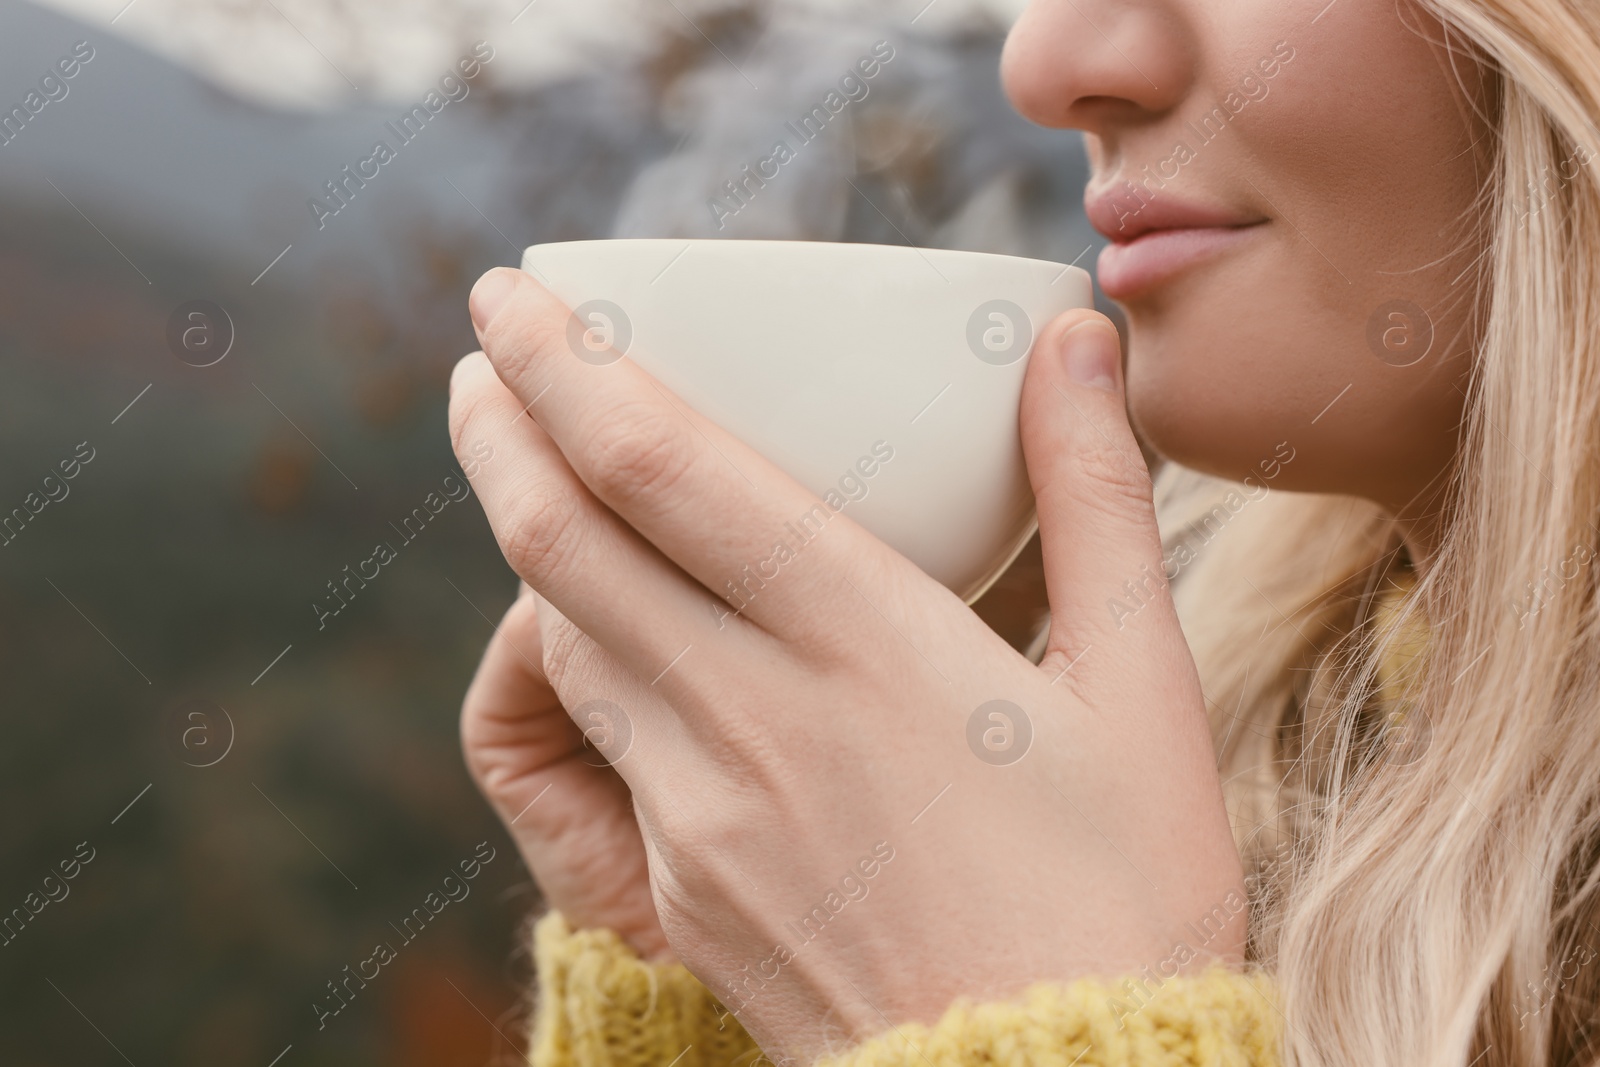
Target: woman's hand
(567, 810)
(857, 802)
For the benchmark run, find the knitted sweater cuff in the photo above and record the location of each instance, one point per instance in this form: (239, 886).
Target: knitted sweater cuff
(1217, 1018)
(601, 1006)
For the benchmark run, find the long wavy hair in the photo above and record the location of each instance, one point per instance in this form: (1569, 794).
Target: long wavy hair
(1436, 901)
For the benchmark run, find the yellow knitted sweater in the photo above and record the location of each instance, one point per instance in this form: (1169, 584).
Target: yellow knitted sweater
(600, 1005)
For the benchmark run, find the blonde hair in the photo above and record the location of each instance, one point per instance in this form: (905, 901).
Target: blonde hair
(1441, 908)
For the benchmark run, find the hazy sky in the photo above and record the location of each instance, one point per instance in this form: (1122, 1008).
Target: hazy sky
(319, 53)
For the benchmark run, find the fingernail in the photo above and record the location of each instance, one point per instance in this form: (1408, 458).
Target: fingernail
(1092, 356)
(490, 295)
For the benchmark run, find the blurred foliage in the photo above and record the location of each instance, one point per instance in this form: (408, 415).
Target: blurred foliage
(193, 545)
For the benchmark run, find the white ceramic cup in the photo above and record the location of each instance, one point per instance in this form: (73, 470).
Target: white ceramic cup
(824, 357)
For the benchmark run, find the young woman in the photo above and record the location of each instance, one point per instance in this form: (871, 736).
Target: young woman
(1349, 812)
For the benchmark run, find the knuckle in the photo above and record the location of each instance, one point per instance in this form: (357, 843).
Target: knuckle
(641, 452)
(468, 405)
(520, 630)
(754, 760)
(696, 844)
(486, 762)
(539, 539)
(518, 343)
(1113, 479)
(567, 652)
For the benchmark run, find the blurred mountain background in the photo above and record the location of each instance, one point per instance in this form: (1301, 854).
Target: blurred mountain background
(265, 800)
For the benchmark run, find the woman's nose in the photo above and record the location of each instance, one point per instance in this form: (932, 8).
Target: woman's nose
(1090, 64)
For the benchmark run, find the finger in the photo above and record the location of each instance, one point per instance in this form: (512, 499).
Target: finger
(1102, 552)
(571, 817)
(577, 553)
(621, 715)
(512, 710)
(711, 504)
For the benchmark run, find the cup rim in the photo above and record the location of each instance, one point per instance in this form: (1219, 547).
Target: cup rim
(854, 247)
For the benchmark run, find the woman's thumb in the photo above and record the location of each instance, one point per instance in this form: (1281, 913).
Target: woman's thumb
(1102, 552)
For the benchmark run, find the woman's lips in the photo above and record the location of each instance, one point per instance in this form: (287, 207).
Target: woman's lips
(1129, 268)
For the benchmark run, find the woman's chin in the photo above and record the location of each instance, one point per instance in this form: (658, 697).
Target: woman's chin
(1184, 423)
